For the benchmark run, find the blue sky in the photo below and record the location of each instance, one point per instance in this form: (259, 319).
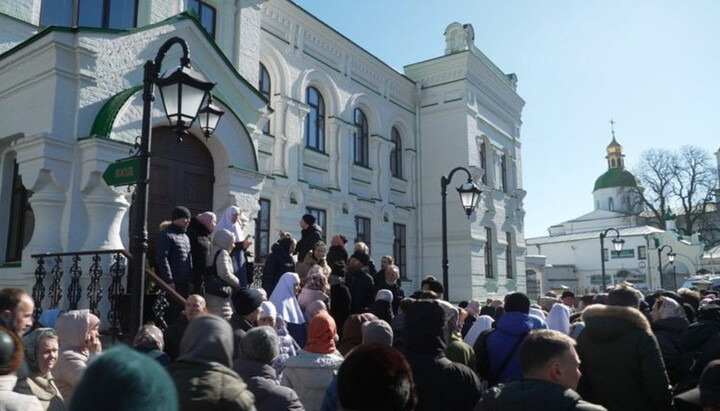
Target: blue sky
(652, 66)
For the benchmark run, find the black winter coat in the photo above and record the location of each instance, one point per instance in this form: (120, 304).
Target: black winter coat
(336, 253)
(700, 344)
(621, 363)
(533, 395)
(440, 384)
(278, 263)
(308, 238)
(362, 290)
(398, 293)
(172, 256)
(200, 246)
(340, 300)
(668, 332)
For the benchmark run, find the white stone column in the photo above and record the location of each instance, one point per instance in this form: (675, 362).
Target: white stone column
(279, 155)
(248, 17)
(293, 134)
(380, 163)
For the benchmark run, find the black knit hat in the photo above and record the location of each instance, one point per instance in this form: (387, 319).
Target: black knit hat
(362, 257)
(245, 301)
(309, 219)
(180, 212)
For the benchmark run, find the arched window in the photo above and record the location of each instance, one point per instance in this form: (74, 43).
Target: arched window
(315, 120)
(360, 146)
(396, 154)
(264, 88)
(611, 204)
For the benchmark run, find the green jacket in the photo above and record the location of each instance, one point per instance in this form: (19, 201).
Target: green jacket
(621, 364)
(205, 387)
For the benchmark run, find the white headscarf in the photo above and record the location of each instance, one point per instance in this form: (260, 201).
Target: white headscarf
(559, 318)
(537, 312)
(483, 322)
(283, 297)
(226, 223)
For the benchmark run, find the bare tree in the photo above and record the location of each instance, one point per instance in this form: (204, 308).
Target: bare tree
(680, 183)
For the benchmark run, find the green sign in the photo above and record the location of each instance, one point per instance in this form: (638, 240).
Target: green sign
(122, 172)
(623, 254)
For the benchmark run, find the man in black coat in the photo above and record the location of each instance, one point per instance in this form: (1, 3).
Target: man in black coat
(279, 262)
(440, 383)
(360, 283)
(199, 232)
(172, 254)
(551, 371)
(311, 234)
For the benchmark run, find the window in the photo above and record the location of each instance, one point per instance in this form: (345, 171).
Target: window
(320, 219)
(399, 244)
(360, 142)
(264, 88)
(21, 221)
(503, 174)
(611, 204)
(488, 253)
(362, 229)
(642, 252)
(205, 13)
(483, 162)
(396, 154)
(262, 230)
(315, 120)
(114, 14)
(509, 256)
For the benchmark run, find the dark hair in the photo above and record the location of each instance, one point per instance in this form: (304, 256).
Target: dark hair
(540, 347)
(405, 304)
(424, 295)
(588, 299)
(338, 268)
(690, 297)
(318, 244)
(567, 293)
(376, 377)
(624, 297)
(10, 298)
(517, 302)
(11, 351)
(436, 287)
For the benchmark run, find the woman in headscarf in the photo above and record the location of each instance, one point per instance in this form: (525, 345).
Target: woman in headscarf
(199, 230)
(220, 303)
(234, 221)
(382, 306)
(312, 371)
(558, 318)
(316, 256)
(473, 312)
(41, 354)
(482, 323)
(203, 374)
(669, 323)
(284, 297)
(279, 262)
(79, 340)
(352, 331)
(286, 344)
(316, 288)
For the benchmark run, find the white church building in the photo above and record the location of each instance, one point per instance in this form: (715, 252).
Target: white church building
(570, 256)
(313, 124)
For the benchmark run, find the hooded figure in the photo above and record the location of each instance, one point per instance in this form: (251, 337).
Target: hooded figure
(316, 288)
(202, 373)
(11, 358)
(440, 383)
(220, 255)
(382, 306)
(482, 323)
(457, 350)
(313, 369)
(258, 351)
(40, 379)
(352, 331)
(285, 300)
(559, 318)
(77, 337)
(122, 379)
(279, 262)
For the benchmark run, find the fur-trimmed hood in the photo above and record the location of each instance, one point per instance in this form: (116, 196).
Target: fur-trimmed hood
(609, 322)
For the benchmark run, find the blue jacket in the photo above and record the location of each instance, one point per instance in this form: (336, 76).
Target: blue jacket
(172, 256)
(511, 327)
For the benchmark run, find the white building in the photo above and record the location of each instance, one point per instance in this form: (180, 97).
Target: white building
(572, 250)
(313, 123)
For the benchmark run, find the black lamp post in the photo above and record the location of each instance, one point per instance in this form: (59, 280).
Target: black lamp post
(469, 196)
(182, 95)
(671, 258)
(617, 246)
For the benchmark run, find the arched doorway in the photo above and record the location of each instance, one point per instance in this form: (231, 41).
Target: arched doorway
(180, 174)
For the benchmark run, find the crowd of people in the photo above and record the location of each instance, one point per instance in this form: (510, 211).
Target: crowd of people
(328, 330)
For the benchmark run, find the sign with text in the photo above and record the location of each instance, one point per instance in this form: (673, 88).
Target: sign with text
(122, 172)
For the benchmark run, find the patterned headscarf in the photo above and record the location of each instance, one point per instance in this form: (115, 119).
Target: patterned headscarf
(317, 281)
(31, 343)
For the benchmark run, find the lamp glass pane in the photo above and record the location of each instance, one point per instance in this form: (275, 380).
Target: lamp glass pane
(192, 98)
(618, 244)
(170, 97)
(671, 257)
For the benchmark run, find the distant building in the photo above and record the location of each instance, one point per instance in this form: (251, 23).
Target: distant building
(572, 250)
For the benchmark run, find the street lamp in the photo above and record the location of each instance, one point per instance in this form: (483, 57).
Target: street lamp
(469, 196)
(617, 246)
(182, 94)
(671, 258)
